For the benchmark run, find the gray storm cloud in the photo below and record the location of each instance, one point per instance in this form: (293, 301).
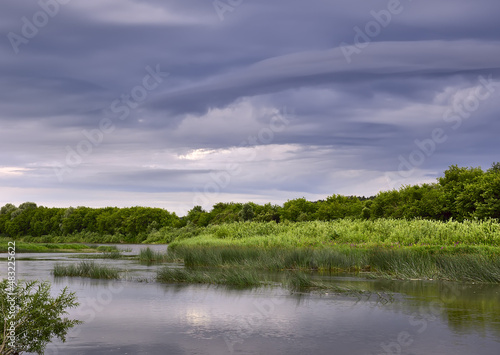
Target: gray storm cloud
(361, 87)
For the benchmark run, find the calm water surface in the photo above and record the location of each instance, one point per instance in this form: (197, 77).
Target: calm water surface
(132, 316)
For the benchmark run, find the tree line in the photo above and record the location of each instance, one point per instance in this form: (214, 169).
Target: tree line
(461, 193)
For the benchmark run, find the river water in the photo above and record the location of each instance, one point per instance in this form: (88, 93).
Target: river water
(136, 315)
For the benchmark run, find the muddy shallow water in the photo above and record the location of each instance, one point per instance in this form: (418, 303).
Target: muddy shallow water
(131, 316)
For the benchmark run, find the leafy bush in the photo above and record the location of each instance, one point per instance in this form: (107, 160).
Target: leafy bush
(37, 319)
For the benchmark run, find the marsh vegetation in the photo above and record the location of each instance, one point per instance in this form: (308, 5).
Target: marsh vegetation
(86, 269)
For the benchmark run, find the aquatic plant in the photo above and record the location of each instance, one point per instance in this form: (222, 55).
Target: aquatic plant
(148, 255)
(478, 264)
(86, 269)
(236, 278)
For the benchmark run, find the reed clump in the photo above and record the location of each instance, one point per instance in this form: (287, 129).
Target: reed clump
(236, 278)
(244, 278)
(479, 264)
(86, 269)
(148, 255)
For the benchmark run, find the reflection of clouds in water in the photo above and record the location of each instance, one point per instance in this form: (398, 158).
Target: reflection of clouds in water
(152, 318)
(197, 317)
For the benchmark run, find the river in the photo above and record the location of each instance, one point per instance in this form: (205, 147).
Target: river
(136, 315)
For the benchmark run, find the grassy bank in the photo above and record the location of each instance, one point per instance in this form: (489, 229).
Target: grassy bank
(417, 249)
(471, 264)
(23, 247)
(317, 234)
(86, 269)
(306, 234)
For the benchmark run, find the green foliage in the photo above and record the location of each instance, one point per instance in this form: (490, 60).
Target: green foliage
(495, 168)
(267, 213)
(246, 213)
(44, 247)
(338, 207)
(7, 209)
(298, 210)
(131, 225)
(168, 234)
(38, 318)
(198, 216)
(342, 231)
(224, 213)
(460, 194)
(454, 182)
(472, 264)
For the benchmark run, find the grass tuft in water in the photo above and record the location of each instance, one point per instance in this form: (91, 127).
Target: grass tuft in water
(299, 281)
(86, 269)
(235, 278)
(150, 256)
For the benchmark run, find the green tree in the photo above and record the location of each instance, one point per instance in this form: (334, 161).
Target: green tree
(458, 204)
(387, 204)
(422, 201)
(495, 168)
(198, 216)
(481, 198)
(223, 212)
(300, 207)
(27, 206)
(8, 208)
(36, 316)
(338, 207)
(267, 213)
(246, 213)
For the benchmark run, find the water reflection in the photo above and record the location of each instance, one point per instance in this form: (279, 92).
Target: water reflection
(130, 317)
(465, 307)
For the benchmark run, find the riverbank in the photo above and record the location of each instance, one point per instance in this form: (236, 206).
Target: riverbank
(24, 247)
(417, 249)
(468, 264)
(463, 316)
(307, 234)
(400, 249)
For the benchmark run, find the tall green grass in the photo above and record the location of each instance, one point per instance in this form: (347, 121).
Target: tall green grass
(148, 255)
(244, 278)
(23, 247)
(357, 232)
(80, 237)
(230, 277)
(478, 264)
(86, 269)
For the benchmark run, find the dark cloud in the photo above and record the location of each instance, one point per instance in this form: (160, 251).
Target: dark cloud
(267, 90)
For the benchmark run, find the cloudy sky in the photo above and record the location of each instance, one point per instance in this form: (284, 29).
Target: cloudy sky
(180, 103)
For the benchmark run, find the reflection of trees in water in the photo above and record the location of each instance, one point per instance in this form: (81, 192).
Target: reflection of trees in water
(473, 307)
(465, 307)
